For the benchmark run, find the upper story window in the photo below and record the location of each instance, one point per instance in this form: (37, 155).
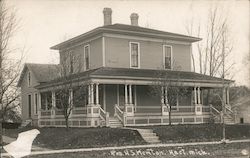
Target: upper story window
(134, 55)
(71, 62)
(167, 57)
(86, 57)
(29, 79)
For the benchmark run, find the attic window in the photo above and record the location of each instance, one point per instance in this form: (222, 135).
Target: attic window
(29, 79)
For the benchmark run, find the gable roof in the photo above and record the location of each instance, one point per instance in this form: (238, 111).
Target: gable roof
(42, 72)
(123, 73)
(128, 30)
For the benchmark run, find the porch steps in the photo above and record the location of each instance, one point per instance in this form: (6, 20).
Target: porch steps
(114, 123)
(147, 134)
(25, 123)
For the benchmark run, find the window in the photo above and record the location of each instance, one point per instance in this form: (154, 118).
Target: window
(134, 55)
(86, 57)
(167, 57)
(29, 79)
(80, 96)
(35, 103)
(71, 62)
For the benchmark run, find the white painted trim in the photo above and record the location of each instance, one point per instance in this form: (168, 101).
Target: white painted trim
(135, 95)
(103, 52)
(145, 39)
(35, 103)
(79, 44)
(171, 48)
(118, 94)
(104, 97)
(87, 45)
(139, 56)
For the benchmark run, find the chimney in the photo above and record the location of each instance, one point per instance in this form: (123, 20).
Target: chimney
(107, 16)
(134, 19)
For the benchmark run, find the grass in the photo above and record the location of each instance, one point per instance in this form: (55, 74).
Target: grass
(200, 132)
(62, 138)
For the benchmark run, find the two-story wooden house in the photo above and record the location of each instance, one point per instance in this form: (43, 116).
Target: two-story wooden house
(119, 64)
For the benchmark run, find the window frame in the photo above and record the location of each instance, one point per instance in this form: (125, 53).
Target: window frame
(29, 78)
(164, 57)
(84, 57)
(130, 56)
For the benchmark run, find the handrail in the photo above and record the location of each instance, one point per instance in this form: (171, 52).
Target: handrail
(119, 113)
(104, 116)
(214, 109)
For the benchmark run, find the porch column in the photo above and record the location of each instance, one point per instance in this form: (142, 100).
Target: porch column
(130, 94)
(162, 95)
(126, 94)
(89, 93)
(53, 99)
(53, 104)
(195, 96)
(166, 95)
(97, 93)
(227, 102)
(199, 95)
(92, 93)
(39, 106)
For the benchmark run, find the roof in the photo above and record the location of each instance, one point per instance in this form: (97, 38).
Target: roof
(122, 73)
(42, 72)
(128, 30)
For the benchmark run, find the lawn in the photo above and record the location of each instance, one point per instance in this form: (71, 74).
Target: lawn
(62, 138)
(200, 132)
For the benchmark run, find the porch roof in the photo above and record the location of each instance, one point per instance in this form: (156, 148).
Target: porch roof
(139, 74)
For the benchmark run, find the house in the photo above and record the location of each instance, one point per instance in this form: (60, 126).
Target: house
(242, 107)
(118, 65)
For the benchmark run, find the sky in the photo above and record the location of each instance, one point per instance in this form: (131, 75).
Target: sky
(45, 23)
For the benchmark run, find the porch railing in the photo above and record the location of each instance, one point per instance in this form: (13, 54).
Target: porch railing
(45, 113)
(104, 116)
(119, 113)
(79, 111)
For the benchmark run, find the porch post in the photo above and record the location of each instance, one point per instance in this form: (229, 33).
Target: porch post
(126, 94)
(166, 95)
(227, 95)
(162, 95)
(89, 100)
(198, 107)
(130, 94)
(199, 95)
(97, 94)
(92, 93)
(195, 96)
(53, 104)
(39, 107)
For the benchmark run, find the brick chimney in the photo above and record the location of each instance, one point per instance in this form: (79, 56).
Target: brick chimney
(134, 19)
(107, 13)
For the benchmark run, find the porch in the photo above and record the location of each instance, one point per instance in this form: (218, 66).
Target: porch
(131, 105)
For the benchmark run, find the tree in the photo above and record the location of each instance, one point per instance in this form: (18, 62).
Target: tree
(9, 67)
(70, 85)
(170, 90)
(214, 50)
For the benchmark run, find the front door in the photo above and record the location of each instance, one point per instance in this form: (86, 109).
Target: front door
(29, 104)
